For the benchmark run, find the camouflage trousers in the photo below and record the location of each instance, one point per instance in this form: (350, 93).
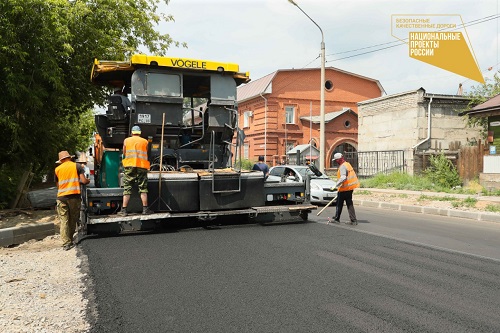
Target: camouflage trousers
(135, 175)
(69, 215)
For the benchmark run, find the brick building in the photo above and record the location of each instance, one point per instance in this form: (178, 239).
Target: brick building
(282, 110)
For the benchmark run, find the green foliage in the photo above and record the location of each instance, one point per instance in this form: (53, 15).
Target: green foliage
(9, 179)
(493, 208)
(470, 202)
(442, 172)
(403, 181)
(47, 48)
(480, 94)
(363, 192)
(244, 164)
(494, 192)
(399, 181)
(455, 202)
(424, 197)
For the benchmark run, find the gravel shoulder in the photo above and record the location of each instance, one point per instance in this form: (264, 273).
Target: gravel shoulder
(41, 288)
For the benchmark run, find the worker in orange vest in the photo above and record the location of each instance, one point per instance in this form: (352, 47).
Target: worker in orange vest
(136, 165)
(69, 175)
(347, 181)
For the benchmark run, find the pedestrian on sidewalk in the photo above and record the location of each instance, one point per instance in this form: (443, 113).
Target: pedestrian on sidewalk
(262, 166)
(347, 181)
(69, 175)
(136, 165)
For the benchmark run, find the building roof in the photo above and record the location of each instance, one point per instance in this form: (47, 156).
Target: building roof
(328, 116)
(303, 148)
(264, 84)
(491, 103)
(489, 108)
(425, 95)
(255, 88)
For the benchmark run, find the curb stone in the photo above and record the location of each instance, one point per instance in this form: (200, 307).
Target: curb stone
(21, 234)
(478, 216)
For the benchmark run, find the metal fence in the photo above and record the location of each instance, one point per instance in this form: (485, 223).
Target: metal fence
(370, 163)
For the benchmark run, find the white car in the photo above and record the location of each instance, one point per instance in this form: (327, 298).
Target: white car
(321, 186)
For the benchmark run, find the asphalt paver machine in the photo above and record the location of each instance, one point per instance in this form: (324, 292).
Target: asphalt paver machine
(187, 110)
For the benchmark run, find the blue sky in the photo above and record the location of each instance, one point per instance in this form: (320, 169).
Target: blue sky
(266, 35)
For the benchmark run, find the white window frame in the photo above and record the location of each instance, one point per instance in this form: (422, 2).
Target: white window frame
(290, 114)
(246, 151)
(246, 118)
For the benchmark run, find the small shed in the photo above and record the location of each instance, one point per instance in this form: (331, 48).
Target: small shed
(490, 109)
(301, 153)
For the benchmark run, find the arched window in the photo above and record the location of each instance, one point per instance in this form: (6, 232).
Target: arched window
(344, 148)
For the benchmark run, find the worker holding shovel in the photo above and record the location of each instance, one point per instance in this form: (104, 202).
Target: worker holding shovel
(347, 181)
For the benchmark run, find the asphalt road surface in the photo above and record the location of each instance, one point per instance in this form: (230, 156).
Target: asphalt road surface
(309, 277)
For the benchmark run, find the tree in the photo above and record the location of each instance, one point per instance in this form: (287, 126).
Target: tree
(47, 48)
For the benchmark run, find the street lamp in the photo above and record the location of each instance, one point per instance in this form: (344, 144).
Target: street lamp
(322, 139)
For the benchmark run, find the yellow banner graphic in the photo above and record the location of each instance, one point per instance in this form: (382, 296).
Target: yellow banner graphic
(446, 50)
(438, 41)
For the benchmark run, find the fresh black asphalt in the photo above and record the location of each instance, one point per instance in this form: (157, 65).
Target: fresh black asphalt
(307, 277)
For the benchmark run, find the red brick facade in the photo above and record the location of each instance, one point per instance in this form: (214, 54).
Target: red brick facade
(300, 89)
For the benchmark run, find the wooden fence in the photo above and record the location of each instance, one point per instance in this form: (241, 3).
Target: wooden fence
(470, 161)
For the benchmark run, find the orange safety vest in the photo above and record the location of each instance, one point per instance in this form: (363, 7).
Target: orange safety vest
(68, 181)
(136, 152)
(352, 180)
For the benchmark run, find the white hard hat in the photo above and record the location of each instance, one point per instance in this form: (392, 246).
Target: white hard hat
(337, 156)
(136, 130)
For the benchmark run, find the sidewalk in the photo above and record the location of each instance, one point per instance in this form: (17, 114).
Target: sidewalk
(460, 213)
(41, 229)
(479, 197)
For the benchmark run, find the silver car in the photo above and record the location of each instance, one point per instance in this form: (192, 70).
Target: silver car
(321, 186)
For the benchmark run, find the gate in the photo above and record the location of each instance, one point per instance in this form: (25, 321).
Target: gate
(470, 161)
(369, 163)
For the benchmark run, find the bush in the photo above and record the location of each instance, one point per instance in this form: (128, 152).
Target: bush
(244, 164)
(9, 181)
(442, 172)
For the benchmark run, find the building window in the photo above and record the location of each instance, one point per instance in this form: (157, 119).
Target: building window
(246, 151)
(347, 124)
(289, 146)
(290, 114)
(246, 118)
(329, 85)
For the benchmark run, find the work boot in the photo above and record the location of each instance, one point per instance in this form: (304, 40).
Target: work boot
(122, 212)
(146, 211)
(68, 246)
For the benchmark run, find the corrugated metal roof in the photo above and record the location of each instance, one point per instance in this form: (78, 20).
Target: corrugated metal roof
(255, 88)
(303, 148)
(328, 116)
(491, 103)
